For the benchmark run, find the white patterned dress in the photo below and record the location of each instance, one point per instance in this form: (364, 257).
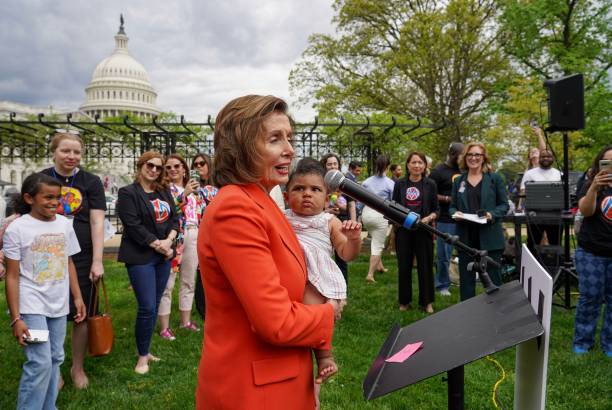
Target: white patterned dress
(314, 236)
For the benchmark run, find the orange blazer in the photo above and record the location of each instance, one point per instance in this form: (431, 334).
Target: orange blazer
(258, 335)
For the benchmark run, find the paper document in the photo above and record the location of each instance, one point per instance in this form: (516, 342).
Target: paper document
(405, 353)
(472, 218)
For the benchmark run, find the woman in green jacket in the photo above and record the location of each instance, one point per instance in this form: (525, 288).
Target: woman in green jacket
(478, 191)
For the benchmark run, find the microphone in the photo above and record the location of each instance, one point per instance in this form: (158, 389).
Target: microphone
(390, 209)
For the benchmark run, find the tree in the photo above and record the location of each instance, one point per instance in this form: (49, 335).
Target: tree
(551, 38)
(441, 62)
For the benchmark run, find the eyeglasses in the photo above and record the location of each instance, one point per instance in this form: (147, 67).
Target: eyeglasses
(199, 164)
(154, 167)
(175, 166)
(474, 155)
(63, 131)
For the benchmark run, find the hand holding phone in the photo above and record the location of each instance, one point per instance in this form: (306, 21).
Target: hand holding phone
(36, 336)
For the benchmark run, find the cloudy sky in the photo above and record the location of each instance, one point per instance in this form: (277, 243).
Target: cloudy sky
(199, 54)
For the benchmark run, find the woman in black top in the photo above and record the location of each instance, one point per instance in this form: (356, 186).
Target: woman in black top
(420, 194)
(84, 202)
(150, 226)
(594, 258)
(478, 191)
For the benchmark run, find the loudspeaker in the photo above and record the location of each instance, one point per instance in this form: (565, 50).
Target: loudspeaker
(565, 103)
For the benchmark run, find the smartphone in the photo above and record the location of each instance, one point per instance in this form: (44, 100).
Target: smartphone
(194, 174)
(605, 164)
(37, 336)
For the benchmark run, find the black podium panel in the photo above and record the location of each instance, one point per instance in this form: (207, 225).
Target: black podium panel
(453, 337)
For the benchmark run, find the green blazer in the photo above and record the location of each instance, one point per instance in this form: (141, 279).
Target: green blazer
(493, 199)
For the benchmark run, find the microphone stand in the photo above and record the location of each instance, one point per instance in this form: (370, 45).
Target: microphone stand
(455, 377)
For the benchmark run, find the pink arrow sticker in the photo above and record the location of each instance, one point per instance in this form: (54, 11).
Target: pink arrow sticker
(405, 353)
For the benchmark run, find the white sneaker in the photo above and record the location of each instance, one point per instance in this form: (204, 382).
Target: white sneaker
(444, 292)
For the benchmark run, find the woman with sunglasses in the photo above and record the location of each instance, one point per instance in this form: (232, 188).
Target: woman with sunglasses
(83, 201)
(189, 209)
(203, 164)
(150, 227)
(482, 192)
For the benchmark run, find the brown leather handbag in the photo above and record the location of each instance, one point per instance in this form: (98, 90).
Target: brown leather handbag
(100, 326)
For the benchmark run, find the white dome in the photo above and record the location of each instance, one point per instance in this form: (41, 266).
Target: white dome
(120, 84)
(121, 66)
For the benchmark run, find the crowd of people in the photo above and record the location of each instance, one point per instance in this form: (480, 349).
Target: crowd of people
(273, 247)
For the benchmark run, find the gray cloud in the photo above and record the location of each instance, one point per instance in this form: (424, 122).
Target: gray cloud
(198, 54)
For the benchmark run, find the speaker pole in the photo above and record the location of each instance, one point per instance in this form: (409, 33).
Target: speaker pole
(565, 271)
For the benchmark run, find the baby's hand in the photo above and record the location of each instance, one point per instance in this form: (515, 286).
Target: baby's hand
(351, 229)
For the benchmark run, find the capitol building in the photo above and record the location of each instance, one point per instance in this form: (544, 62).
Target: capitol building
(120, 84)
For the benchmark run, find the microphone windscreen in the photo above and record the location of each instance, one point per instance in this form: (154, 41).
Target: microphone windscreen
(333, 179)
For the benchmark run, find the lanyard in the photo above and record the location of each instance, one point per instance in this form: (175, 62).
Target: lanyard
(56, 177)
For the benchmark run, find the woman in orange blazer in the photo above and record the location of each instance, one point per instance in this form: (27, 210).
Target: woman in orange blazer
(258, 334)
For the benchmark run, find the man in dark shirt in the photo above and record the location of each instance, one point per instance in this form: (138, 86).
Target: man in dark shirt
(353, 173)
(444, 174)
(396, 172)
(354, 170)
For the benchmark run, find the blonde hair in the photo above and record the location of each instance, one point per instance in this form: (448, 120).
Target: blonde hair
(486, 162)
(60, 136)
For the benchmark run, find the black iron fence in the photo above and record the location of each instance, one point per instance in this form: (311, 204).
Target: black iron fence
(122, 140)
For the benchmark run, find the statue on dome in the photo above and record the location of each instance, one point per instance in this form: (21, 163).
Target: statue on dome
(122, 23)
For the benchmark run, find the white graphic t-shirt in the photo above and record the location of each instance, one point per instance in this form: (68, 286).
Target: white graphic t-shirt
(42, 249)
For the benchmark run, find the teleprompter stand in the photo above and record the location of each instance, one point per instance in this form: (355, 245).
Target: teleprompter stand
(490, 322)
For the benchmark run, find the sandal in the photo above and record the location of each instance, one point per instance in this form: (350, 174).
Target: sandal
(167, 334)
(190, 326)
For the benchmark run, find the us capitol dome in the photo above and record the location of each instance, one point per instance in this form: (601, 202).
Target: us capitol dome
(120, 85)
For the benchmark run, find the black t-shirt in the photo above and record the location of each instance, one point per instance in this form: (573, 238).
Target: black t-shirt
(444, 176)
(413, 199)
(80, 193)
(595, 235)
(473, 196)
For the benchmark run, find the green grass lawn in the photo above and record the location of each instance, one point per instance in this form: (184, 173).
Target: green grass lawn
(573, 382)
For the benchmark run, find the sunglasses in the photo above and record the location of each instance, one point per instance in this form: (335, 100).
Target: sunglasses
(63, 131)
(199, 164)
(154, 167)
(175, 166)
(474, 155)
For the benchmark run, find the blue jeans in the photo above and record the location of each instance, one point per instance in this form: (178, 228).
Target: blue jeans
(595, 285)
(148, 282)
(38, 384)
(443, 255)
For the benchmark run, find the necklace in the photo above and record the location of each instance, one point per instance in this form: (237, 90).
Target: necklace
(67, 178)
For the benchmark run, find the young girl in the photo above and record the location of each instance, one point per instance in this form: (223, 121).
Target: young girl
(38, 247)
(319, 234)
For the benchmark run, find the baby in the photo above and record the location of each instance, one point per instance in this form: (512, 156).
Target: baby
(319, 234)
